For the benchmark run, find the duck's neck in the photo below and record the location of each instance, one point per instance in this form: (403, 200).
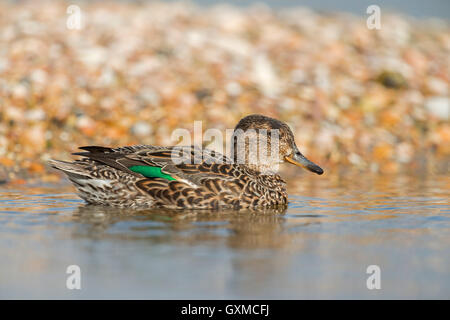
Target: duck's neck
(261, 169)
(261, 165)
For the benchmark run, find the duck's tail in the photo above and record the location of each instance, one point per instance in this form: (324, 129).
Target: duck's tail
(90, 189)
(73, 170)
(107, 190)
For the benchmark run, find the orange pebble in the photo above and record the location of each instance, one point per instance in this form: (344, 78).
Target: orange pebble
(36, 168)
(6, 162)
(18, 181)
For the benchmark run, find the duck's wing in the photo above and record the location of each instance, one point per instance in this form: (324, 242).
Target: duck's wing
(183, 162)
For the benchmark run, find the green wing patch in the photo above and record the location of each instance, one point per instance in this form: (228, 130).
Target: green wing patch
(151, 172)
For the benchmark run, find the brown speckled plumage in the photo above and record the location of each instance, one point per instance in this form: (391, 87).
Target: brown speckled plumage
(209, 181)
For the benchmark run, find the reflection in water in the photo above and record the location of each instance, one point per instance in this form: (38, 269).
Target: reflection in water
(317, 247)
(245, 228)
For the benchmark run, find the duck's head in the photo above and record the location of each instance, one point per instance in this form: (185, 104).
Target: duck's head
(262, 143)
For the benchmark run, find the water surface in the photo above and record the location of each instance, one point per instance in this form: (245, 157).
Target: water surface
(319, 247)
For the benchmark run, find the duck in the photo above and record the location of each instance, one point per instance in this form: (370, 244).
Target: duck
(191, 177)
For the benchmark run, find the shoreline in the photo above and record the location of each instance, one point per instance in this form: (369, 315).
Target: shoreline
(373, 100)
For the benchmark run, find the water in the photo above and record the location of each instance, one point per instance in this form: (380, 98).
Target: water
(320, 247)
(416, 8)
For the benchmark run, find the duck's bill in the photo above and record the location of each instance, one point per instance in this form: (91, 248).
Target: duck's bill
(300, 160)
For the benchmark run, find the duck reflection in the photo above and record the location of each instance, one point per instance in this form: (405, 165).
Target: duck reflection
(235, 229)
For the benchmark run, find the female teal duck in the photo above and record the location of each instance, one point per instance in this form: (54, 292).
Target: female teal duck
(146, 176)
